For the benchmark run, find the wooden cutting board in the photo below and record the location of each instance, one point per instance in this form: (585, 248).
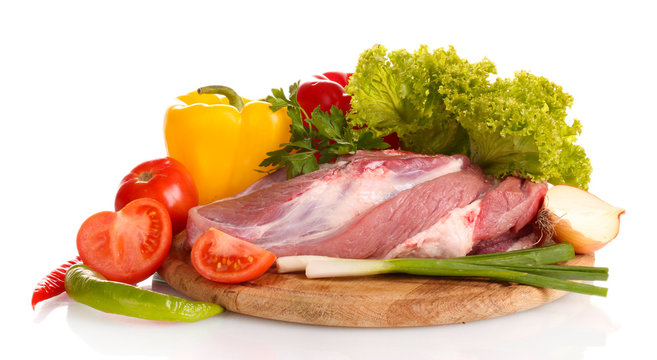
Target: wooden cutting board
(376, 301)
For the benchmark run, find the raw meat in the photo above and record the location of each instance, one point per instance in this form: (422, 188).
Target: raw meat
(379, 205)
(319, 204)
(500, 220)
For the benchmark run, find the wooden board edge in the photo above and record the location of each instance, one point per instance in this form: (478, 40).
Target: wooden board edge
(178, 272)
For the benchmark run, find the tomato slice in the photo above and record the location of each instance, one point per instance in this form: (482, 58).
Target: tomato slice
(223, 258)
(128, 245)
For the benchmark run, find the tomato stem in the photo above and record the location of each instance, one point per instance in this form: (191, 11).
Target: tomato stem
(145, 176)
(234, 99)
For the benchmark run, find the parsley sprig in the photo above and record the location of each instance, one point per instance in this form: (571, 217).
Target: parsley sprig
(319, 139)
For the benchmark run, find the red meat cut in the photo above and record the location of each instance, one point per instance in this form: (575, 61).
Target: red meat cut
(379, 204)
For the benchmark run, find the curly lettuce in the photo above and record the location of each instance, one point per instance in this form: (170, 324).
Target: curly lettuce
(439, 103)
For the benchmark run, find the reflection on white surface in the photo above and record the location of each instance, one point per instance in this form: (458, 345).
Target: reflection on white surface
(566, 327)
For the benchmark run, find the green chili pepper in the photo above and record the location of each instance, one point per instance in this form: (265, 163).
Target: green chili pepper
(91, 288)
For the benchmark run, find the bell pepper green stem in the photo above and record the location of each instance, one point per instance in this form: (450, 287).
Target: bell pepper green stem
(234, 99)
(90, 288)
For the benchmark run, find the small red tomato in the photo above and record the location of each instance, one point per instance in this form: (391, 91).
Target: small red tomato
(220, 257)
(128, 245)
(341, 78)
(322, 93)
(165, 180)
(392, 140)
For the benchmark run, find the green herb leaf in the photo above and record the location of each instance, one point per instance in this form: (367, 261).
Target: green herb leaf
(366, 140)
(316, 140)
(279, 100)
(300, 163)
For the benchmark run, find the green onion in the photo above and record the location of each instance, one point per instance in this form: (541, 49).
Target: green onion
(530, 267)
(288, 264)
(588, 273)
(536, 256)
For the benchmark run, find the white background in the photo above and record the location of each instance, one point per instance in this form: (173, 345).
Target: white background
(84, 87)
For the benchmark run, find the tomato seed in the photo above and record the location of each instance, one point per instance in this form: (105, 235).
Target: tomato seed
(222, 263)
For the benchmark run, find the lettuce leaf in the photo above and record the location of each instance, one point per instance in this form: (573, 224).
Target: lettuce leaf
(438, 103)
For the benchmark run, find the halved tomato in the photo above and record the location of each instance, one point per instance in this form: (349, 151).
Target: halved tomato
(223, 258)
(128, 245)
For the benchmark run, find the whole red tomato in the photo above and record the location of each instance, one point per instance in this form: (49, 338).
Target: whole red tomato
(165, 180)
(341, 78)
(324, 93)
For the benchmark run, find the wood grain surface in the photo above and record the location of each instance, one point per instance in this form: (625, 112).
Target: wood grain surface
(374, 301)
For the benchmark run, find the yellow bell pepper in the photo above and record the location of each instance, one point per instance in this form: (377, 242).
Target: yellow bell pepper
(221, 140)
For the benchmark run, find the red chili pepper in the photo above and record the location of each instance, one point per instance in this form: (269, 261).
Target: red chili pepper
(53, 284)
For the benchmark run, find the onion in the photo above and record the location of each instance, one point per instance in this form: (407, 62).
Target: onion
(575, 216)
